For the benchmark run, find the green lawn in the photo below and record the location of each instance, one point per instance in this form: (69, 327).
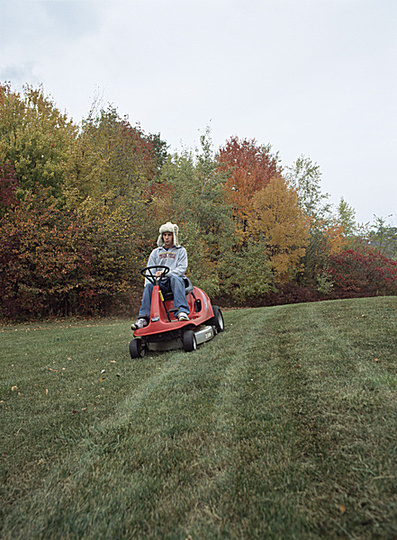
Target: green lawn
(284, 426)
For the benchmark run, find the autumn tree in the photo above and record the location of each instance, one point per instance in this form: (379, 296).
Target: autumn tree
(83, 245)
(52, 262)
(277, 217)
(35, 138)
(113, 162)
(248, 167)
(115, 178)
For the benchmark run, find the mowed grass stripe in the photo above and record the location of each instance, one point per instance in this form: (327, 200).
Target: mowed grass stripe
(282, 426)
(337, 416)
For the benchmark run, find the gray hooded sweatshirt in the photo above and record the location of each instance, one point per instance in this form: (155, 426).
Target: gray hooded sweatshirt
(175, 258)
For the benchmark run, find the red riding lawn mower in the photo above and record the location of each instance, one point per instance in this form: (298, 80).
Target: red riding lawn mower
(164, 331)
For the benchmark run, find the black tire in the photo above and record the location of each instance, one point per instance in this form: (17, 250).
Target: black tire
(217, 319)
(137, 348)
(189, 341)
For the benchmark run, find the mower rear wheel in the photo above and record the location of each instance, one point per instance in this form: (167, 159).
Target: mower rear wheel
(189, 341)
(217, 319)
(137, 348)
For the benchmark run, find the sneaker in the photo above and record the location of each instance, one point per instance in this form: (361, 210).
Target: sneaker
(140, 323)
(182, 316)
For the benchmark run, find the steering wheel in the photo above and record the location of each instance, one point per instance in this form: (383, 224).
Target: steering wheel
(151, 276)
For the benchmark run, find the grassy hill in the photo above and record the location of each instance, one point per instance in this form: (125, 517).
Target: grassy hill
(284, 426)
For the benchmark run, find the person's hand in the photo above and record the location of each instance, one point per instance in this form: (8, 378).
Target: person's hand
(158, 273)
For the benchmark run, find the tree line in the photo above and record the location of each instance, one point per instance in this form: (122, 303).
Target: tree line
(80, 207)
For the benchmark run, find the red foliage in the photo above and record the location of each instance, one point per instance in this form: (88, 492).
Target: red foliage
(249, 168)
(363, 274)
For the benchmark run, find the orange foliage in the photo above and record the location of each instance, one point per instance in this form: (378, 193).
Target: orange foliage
(335, 239)
(249, 168)
(278, 218)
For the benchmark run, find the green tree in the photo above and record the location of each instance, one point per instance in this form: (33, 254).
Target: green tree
(245, 273)
(8, 187)
(327, 236)
(305, 177)
(160, 150)
(346, 218)
(383, 237)
(193, 197)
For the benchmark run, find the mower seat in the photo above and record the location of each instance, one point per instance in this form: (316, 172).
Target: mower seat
(188, 289)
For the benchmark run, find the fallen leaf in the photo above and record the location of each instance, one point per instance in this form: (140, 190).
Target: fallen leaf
(14, 388)
(46, 391)
(342, 508)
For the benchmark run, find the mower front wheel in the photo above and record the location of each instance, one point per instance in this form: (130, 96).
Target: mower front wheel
(189, 341)
(137, 348)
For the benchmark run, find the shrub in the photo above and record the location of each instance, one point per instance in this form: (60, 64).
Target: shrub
(291, 293)
(363, 274)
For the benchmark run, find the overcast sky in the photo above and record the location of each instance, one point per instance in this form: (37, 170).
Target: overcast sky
(311, 77)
